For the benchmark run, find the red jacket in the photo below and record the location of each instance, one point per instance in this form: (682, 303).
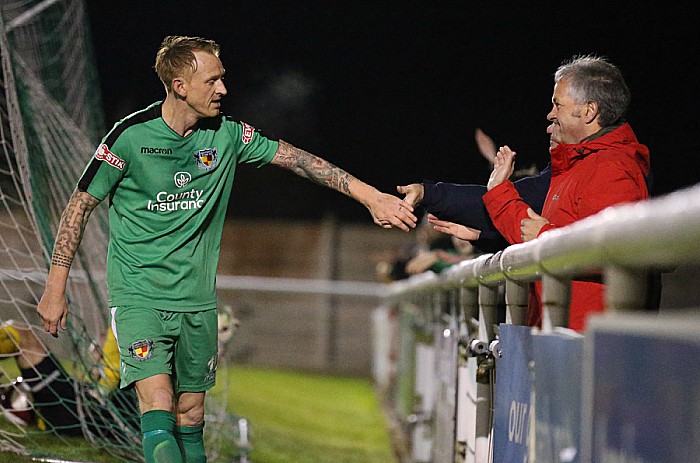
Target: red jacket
(587, 177)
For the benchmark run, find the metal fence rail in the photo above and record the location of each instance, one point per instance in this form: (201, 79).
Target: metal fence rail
(444, 328)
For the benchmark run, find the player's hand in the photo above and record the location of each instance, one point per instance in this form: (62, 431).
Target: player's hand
(53, 310)
(389, 211)
(458, 231)
(413, 193)
(502, 167)
(530, 228)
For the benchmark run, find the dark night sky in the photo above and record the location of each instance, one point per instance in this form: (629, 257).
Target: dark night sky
(392, 91)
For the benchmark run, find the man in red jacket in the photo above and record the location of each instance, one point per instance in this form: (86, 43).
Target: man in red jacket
(596, 162)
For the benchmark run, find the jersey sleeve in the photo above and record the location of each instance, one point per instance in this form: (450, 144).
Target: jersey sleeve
(254, 148)
(106, 168)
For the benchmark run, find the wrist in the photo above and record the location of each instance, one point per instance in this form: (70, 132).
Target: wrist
(362, 192)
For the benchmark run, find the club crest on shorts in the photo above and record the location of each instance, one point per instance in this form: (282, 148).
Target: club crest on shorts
(212, 363)
(207, 158)
(141, 350)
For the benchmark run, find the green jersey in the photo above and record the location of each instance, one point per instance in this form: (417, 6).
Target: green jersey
(168, 196)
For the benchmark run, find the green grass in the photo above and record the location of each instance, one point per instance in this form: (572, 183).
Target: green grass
(306, 418)
(294, 417)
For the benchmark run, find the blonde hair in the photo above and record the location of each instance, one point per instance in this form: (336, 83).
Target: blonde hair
(176, 58)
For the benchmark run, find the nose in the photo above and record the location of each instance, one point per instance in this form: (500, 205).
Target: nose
(552, 113)
(221, 88)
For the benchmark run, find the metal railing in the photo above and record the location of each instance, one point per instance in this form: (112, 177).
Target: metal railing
(446, 331)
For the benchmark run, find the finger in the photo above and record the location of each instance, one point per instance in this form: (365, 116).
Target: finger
(402, 226)
(409, 218)
(396, 221)
(405, 205)
(532, 214)
(402, 189)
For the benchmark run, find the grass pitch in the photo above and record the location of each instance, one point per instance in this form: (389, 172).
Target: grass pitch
(307, 418)
(294, 417)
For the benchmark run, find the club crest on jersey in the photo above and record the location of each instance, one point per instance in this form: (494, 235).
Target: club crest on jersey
(104, 154)
(248, 132)
(206, 159)
(141, 350)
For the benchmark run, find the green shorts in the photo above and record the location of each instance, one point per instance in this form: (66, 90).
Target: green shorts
(180, 344)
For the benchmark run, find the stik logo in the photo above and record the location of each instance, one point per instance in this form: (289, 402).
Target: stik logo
(248, 132)
(104, 154)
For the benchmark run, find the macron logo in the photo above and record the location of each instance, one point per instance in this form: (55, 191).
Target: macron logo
(104, 154)
(149, 150)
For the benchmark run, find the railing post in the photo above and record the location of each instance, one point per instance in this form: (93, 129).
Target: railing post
(556, 296)
(488, 312)
(516, 301)
(625, 289)
(466, 385)
(447, 349)
(469, 306)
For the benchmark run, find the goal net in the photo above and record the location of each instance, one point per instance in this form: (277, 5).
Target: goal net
(50, 123)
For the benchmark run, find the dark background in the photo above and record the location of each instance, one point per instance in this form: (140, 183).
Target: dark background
(393, 91)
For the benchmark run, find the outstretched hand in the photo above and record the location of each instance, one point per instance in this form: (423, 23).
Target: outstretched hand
(530, 228)
(458, 231)
(502, 168)
(389, 211)
(413, 193)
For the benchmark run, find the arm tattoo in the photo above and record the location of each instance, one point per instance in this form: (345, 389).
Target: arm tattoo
(71, 227)
(61, 261)
(312, 167)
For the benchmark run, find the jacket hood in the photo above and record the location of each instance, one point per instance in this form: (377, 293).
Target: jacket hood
(622, 140)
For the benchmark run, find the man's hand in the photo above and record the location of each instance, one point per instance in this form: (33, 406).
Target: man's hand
(502, 168)
(530, 228)
(53, 310)
(458, 231)
(389, 211)
(413, 193)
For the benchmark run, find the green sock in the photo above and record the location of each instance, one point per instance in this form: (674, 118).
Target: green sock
(191, 442)
(159, 444)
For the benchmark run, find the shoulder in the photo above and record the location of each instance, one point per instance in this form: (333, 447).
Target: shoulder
(134, 120)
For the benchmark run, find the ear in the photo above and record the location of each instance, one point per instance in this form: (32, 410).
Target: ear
(590, 112)
(179, 87)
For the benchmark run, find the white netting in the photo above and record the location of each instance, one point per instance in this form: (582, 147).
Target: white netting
(50, 122)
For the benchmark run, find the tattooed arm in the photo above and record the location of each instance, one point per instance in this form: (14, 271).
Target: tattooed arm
(386, 210)
(52, 307)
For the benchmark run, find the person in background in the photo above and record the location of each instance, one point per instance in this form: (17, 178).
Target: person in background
(435, 251)
(168, 171)
(48, 394)
(596, 162)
